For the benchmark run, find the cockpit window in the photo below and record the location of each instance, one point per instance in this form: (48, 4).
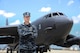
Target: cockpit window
(61, 13)
(54, 14)
(49, 15)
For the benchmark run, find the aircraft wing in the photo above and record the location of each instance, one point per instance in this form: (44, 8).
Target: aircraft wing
(9, 30)
(71, 40)
(7, 34)
(6, 40)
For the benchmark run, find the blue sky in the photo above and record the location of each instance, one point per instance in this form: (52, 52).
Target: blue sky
(13, 10)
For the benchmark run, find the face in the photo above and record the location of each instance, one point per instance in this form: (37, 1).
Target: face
(26, 18)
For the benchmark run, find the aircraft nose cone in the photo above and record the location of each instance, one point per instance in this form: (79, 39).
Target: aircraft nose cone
(70, 22)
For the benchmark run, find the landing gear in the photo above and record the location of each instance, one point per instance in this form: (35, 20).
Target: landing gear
(9, 50)
(43, 49)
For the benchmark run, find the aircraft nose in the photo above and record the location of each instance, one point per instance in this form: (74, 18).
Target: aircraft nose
(65, 25)
(70, 22)
(68, 25)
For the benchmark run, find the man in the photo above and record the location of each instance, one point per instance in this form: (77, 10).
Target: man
(27, 35)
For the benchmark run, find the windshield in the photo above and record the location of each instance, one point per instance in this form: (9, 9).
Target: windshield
(55, 14)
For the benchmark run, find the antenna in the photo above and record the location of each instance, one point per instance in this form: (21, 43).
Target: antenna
(6, 21)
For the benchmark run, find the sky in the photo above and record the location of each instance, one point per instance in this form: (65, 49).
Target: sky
(14, 9)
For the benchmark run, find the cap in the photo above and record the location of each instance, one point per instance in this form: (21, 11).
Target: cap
(26, 14)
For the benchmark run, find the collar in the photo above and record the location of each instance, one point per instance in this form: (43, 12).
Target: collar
(27, 25)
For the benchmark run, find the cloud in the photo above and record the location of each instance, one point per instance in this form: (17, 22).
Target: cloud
(45, 9)
(78, 32)
(70, 2)
(15, 23)
(7, 14)
(2, 12)
(76, 19)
